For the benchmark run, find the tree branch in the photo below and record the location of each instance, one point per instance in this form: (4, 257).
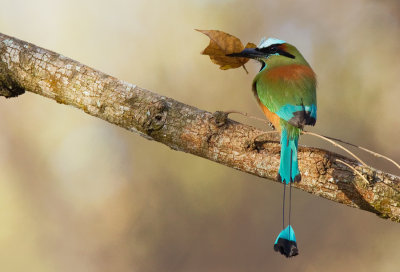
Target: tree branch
(26, 67)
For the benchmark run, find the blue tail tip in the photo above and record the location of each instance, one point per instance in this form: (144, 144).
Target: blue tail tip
(286, 243)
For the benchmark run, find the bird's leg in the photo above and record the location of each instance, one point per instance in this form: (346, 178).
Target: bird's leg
(271, 125)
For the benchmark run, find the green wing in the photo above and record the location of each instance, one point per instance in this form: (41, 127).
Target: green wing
(292, 100)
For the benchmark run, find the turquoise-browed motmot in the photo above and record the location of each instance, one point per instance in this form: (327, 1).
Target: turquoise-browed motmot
(285, 88)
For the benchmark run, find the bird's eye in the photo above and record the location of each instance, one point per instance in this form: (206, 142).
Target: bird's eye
(273, 49)
(263, 49)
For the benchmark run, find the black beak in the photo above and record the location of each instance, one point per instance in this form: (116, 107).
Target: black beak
(250, 53)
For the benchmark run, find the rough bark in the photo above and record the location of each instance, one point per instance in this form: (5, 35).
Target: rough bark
(26, 67)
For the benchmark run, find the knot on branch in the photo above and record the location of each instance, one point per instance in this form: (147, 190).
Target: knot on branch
(220, 118)
(156, 114)
(8, 87)
(268, 137)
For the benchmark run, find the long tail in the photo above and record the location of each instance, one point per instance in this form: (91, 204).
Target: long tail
(288, 172)
(286, 243)
(288, 168)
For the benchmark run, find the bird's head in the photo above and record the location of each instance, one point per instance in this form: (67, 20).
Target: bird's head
(272, 50)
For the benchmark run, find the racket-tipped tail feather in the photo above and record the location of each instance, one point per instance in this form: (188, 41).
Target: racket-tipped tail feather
(286, 243)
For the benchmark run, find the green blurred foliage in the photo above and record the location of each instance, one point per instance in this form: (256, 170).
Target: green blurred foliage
(78, 194)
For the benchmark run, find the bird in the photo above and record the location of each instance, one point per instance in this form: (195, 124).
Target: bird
(285, 89)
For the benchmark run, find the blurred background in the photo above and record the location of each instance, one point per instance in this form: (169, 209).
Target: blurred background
(79, 194)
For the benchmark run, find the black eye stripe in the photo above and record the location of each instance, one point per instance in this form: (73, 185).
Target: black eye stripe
(273, 49)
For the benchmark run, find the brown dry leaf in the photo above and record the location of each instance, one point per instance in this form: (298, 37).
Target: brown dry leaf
(221, 44)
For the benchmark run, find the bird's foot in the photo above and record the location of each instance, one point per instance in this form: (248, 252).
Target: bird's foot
(271, 125)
